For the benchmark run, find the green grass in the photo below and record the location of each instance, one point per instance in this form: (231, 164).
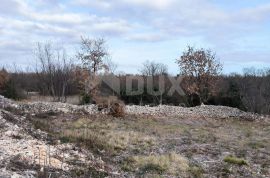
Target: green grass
(235, 160)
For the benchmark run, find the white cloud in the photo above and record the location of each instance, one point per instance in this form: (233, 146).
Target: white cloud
(257, 14)
(102, 4)
(113, 28)
(126, 20)
(155, 4)
(12, 7)
(147, 37)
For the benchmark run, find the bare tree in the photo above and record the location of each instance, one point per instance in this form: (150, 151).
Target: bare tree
(110, 66)
(54, 70)
(255, 89)
(92, 55)
(151, 68)
(200, 69)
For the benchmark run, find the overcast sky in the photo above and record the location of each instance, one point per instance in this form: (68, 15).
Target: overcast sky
(138, 30)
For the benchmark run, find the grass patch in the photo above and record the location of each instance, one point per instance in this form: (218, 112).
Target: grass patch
(171, 163)
(109, 140)
(235, 160)
(196, 171)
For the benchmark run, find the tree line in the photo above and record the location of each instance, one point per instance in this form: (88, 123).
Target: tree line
(58, 75)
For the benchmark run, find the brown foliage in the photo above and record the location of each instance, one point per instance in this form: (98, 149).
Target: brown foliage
(200, 70)
(112, 103)
(117, 109)
(92, 55)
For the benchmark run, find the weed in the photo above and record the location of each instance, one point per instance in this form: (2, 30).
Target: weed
(235, 160)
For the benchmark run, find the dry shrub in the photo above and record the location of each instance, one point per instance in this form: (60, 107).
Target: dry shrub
(115, 106)
(117, 109)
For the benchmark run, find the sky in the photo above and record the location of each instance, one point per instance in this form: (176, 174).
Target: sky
(139, 30)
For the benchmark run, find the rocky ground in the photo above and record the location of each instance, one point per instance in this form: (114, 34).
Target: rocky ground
(42, 139)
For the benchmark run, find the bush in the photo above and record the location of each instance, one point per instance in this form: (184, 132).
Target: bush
(11, 90)
(117, 109)
(86, 99)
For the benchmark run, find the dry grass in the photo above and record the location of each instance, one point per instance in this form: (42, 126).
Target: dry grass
(100, 135)
(171, 163)
(107, 140)
(127, 143)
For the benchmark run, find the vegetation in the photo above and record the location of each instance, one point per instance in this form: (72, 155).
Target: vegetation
(235, 160)
(92, 55)
(54, 71)
(161, 146)
(200, 69)
(56, 75)
(171, 163)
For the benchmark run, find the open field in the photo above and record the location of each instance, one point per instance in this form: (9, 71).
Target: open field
(68, 141)
(134, 89)
(170, 146)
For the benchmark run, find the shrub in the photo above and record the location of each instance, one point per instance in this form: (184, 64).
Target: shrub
(117, 109)
(86, 99)
(11, 90)
(112, 103)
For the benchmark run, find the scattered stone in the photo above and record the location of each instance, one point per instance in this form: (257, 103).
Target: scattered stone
(22, 155)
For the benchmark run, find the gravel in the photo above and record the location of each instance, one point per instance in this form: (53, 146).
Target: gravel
(221, 112)
(209, 111)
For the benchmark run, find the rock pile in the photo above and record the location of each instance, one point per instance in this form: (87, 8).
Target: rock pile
(162, 110)
(209, 111)
(45, 107)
